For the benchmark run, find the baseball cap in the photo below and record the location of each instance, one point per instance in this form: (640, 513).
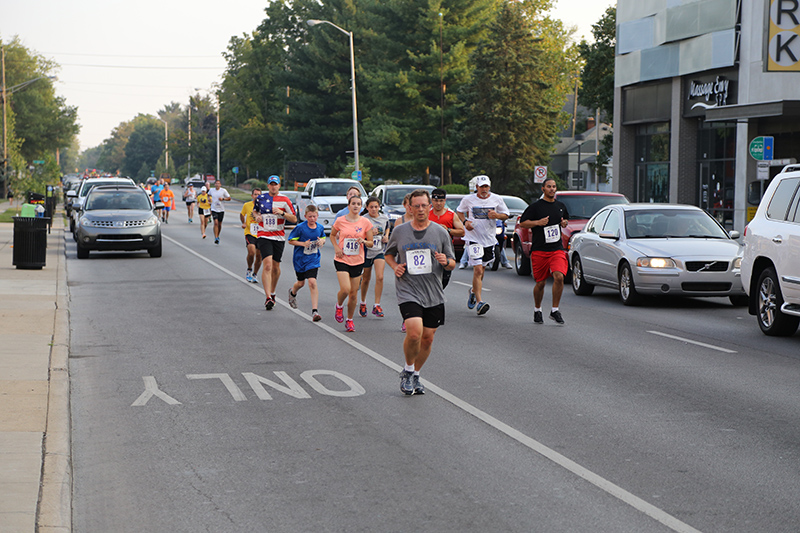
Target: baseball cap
(203, 189)
(438, 194)
(482, 180)
(273, 179)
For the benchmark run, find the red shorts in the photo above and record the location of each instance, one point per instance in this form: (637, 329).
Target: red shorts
(543, 263)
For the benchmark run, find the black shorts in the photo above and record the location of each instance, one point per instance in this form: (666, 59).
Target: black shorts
(308, 274)
(270, 248)
(354, 270)
(368, 262)
(203, 212)
(432, 317)
(218, 215)
(249, 239)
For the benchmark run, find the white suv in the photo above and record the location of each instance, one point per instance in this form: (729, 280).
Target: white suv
(771, 260)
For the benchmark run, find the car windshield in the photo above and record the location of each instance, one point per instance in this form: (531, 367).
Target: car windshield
(585, 206)
(665, 223)
(117, 200)
(396, 196)
(518, 204)
(88, 185)
(336, 189)
(452, 202)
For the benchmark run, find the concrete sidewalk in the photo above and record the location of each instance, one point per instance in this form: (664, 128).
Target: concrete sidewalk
(35, 461)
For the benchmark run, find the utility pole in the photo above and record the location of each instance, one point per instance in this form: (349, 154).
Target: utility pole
(5, 128)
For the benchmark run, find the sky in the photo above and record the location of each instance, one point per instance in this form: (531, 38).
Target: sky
(119, 59)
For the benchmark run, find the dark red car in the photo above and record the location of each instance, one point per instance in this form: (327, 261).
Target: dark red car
(581, 206)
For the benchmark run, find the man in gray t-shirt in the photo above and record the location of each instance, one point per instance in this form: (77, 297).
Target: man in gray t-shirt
(419, 251)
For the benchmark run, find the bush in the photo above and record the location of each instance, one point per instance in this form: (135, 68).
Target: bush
(456, 188)
(252, 183)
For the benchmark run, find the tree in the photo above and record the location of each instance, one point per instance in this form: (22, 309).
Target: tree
(145, 145)
(597, 76)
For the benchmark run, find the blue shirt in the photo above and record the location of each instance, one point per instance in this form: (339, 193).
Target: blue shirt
(301, 260)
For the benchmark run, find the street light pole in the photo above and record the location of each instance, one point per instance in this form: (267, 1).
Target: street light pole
(166, 145)
(314, 22)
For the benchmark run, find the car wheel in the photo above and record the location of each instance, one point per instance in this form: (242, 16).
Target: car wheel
(768, 307)
(521, 263)
(83, 253)
(156, 251)
(579, 284)
(627, 288)
(739, 301)
(72, 224)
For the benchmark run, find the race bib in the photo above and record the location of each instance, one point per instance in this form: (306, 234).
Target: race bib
(552, 233)
(475, 251)
(253, 229)
(269, 222)
(419, 261)
(311, 249)
(377, 242)
(351, 247)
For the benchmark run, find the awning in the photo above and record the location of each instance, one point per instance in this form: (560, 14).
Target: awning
(730, 113)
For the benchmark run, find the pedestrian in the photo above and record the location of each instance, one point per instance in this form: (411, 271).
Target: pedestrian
(479, 212)
(203, 209)
(445, 217)
(374, 260)
(545, 218)
(350, 234)
(307, 238)
(190, 197)
(271, 211)
(218, 195)
(250, 228)
(418, 253)
(168, 199)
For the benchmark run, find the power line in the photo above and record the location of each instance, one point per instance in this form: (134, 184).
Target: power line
(139, 68)
(130, 56)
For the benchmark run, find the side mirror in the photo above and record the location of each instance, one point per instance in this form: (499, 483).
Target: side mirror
(159, 205)
(72, 194)
(734, 234)
(608, 235)
(305, 195)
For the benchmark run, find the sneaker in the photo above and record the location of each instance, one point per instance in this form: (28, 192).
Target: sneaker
(292, 300)
(362, 310)
(315, 316)
(537, 317)
(349, 326)
(204, 235)
(556, 315)
(407, 382)
(190, 221)
(254, 278)
(269, 304)
(508, 266)
(249, 276)
(377, 311)
(419, 388)
(483, 308)
(339, 314)
(462, 266)
(216, 241)
(471, 300)
(403, 327)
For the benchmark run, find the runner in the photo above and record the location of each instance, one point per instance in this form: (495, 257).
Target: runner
(445, 217)
(374, 258)
(349, 235)
(307, 238)
(546, 217)
(418, 253)
(479, 212)
(218, 195)
(156, 189)
(190, 197)
(168, 199)
(250, 240)
(271, 213)
(203, 209)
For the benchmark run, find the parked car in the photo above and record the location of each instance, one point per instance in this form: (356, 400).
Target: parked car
(771, 258)
(656, 249)
(118, 217)
(330, 197)
(294, 196)
(195, 180)
(78, 196)
(581, 206)
(452, 202)
(391, 198)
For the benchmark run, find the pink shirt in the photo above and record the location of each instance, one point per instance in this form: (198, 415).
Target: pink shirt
(348, 232)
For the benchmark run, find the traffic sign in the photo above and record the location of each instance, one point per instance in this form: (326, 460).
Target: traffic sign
(235, 170)
(356, 175)
(761, 148)
(539, 174)
(38, 162)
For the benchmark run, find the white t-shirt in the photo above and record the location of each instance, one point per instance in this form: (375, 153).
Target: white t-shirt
(216, 199)
(476, 210)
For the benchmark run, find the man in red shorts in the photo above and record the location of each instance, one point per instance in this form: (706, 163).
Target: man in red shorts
(545, 218)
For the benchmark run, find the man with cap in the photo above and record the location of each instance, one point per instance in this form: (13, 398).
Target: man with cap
(445, 217)
(271, 210)
(479, 213)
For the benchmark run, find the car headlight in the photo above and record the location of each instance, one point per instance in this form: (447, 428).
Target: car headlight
(152, 221)
(737, 263)
(322, 206)
(655, 262)
(83, 221)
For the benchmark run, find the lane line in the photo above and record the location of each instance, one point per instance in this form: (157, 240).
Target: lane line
(697, 343)
(469, 285)
(603, 484)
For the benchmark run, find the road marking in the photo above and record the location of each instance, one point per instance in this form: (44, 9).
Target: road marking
(607, 486)
(469, 285)
(697, 343)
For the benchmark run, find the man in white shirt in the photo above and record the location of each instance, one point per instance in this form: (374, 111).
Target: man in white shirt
(479, 213)
(218, 195)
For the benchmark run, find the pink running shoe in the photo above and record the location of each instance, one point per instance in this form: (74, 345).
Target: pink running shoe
(377, 311)
(339, 314)
(362, 310)
(349, 326)
(403, 329)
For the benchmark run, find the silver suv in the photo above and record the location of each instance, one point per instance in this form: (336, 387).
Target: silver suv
(771, 260)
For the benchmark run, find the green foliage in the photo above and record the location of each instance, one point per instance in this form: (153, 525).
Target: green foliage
(143, 149)
(253, 183)
(455, 188)
(597, 77)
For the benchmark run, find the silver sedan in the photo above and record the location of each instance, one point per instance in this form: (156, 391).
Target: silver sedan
(656, 249)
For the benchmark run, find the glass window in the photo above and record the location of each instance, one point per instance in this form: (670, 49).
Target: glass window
(779, 204)
(652, 162)
(594, 225)
(612, 223)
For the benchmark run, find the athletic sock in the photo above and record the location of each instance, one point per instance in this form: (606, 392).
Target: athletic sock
(537, 309)
(409, 368)
(416, 373)
(553, 310)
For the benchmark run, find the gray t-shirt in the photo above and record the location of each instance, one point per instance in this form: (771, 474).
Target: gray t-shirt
(379, 226)
(416, 249)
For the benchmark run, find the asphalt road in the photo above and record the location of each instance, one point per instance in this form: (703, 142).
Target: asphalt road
(194, 409)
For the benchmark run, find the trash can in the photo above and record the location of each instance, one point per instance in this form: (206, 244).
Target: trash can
(30, 242)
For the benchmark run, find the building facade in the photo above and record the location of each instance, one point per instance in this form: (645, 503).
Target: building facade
(706, 93)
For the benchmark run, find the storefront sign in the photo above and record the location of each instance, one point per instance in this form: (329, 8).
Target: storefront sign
(783, 44)
(709, 91)
(761, 148)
